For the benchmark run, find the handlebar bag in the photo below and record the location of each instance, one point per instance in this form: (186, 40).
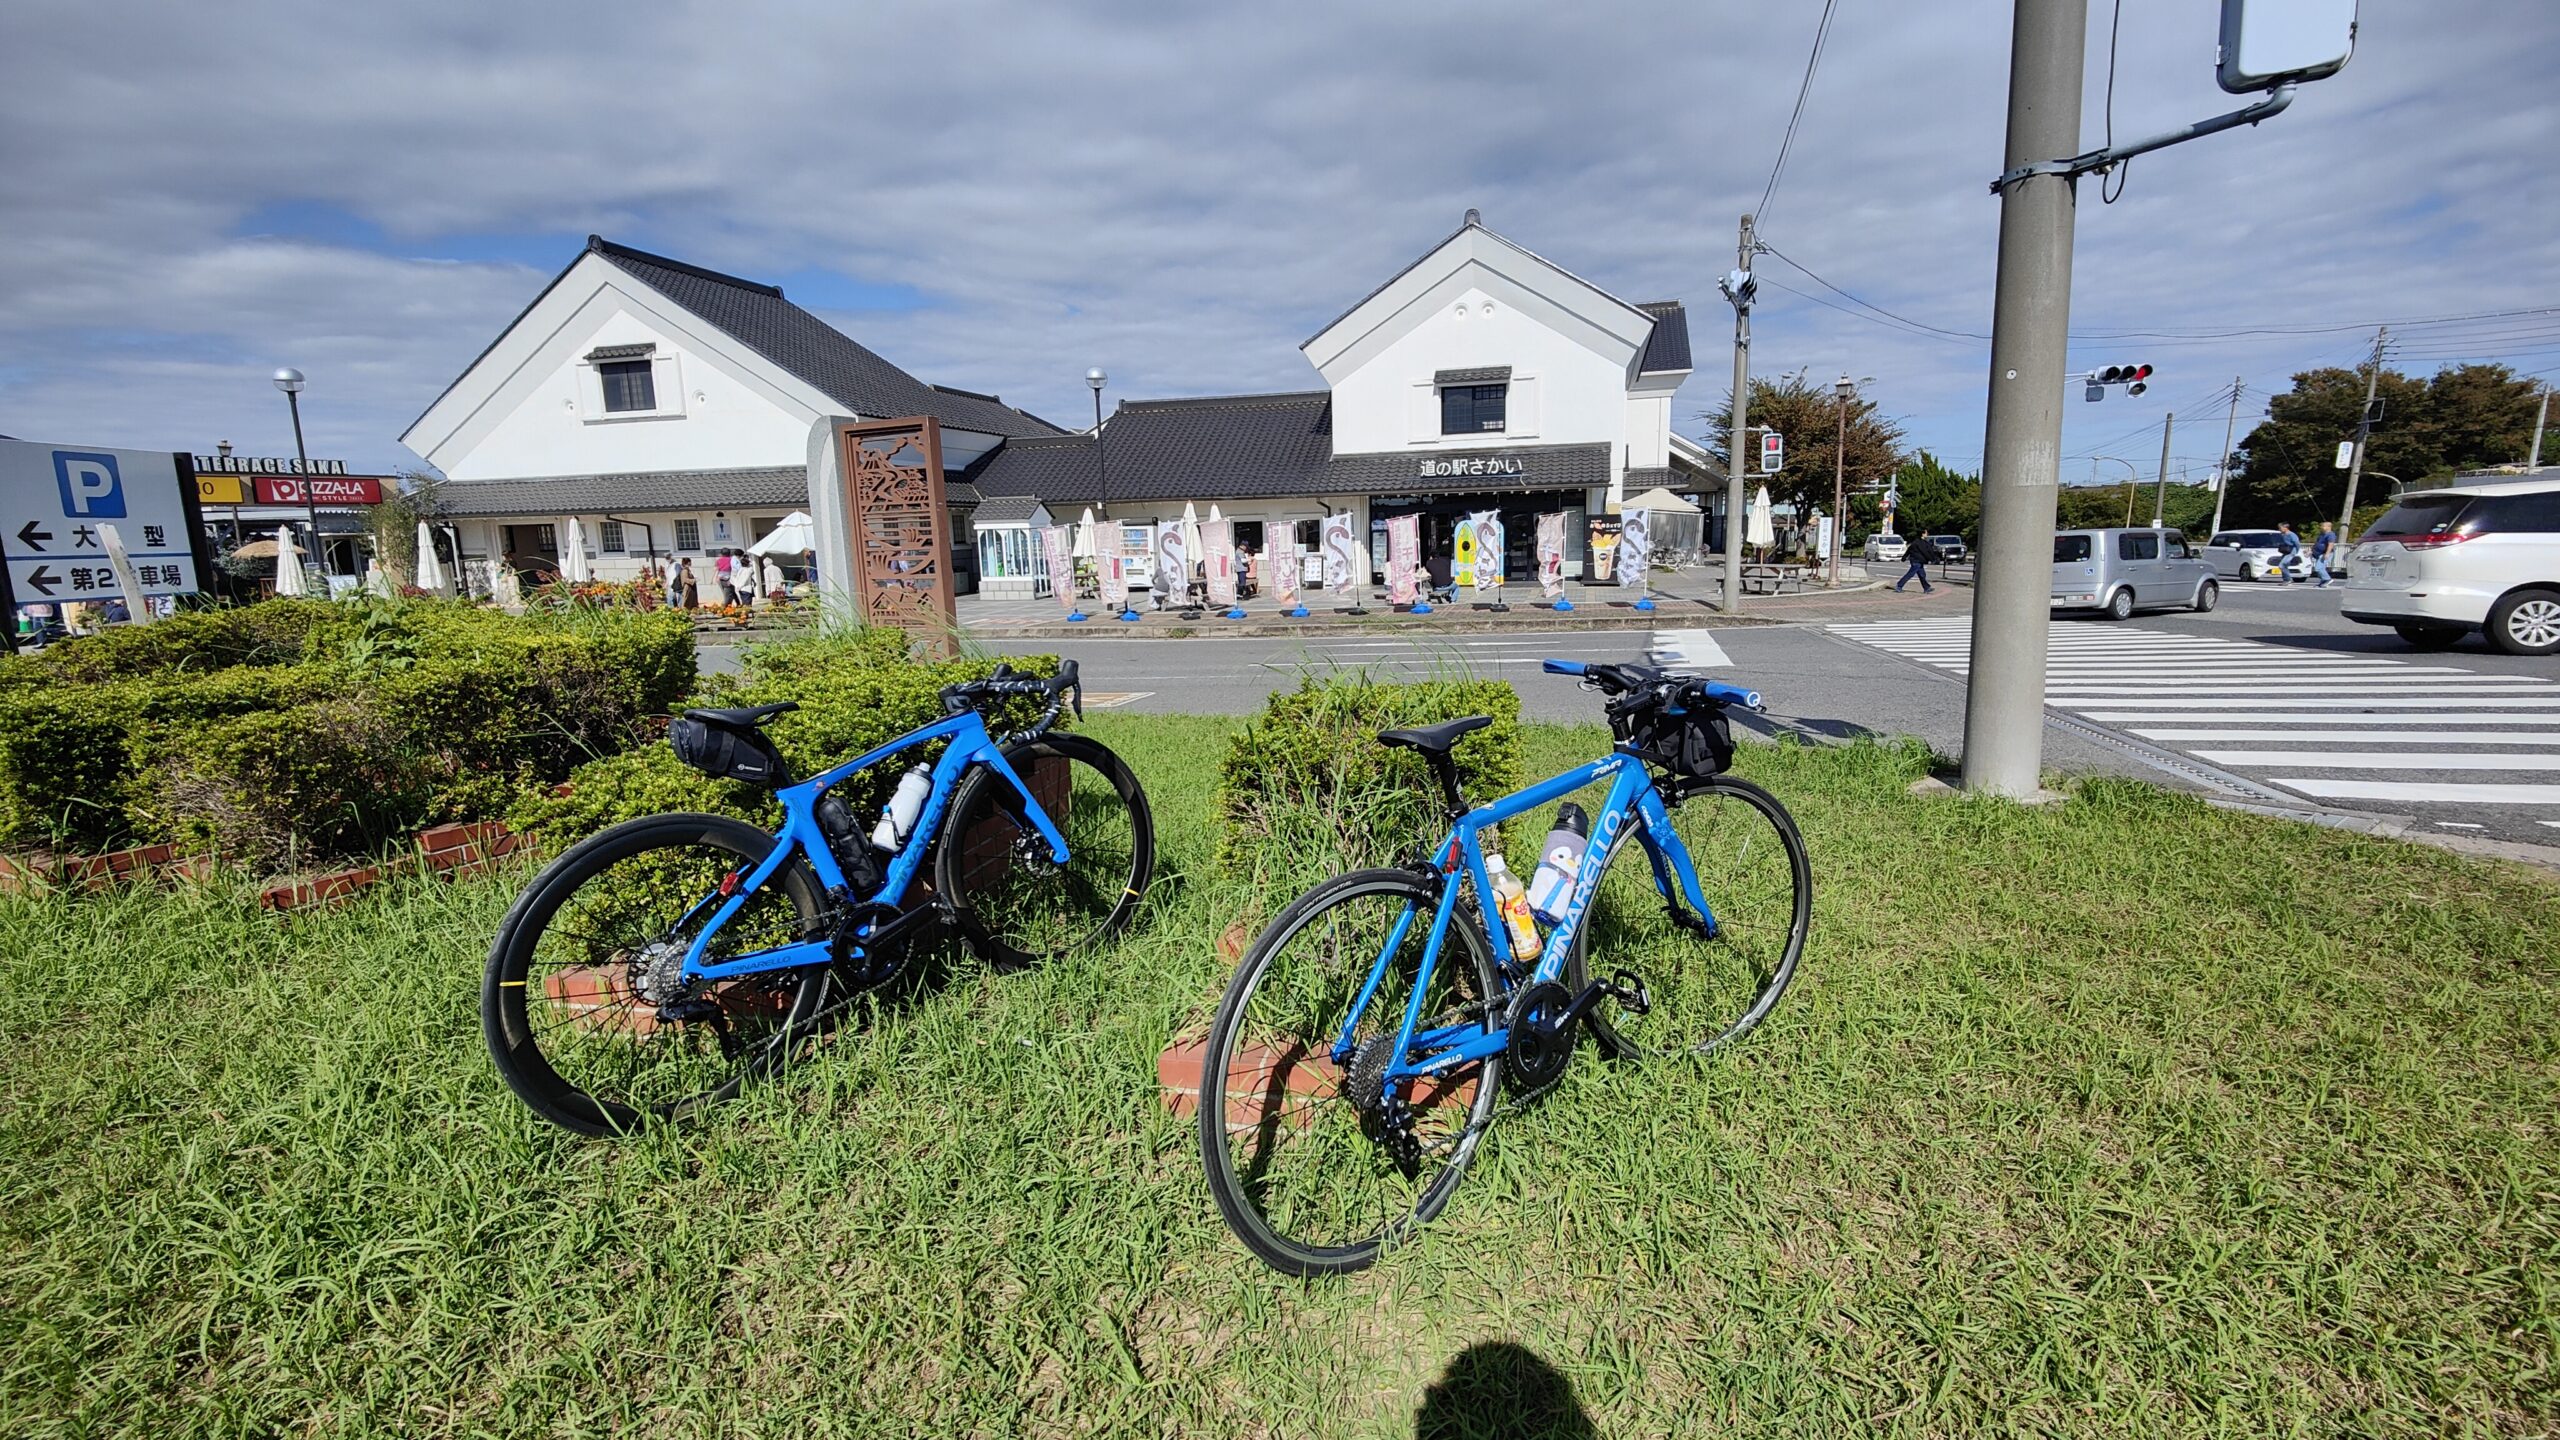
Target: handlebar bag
(727, 753)
(1696, 743)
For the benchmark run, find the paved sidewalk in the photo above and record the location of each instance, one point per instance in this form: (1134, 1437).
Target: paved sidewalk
(1685, 601)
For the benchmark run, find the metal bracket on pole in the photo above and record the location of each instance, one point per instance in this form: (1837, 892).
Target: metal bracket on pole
(2108, 159)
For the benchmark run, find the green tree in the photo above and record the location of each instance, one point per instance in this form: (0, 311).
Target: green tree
(1937, 500)
(1808, 416)
(2464, 417)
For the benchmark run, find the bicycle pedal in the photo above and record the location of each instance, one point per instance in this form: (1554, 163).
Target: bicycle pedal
(1629, 992)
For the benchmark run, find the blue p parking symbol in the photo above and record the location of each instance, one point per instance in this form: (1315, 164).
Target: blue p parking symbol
(91, 487)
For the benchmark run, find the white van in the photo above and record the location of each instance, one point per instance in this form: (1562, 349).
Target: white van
(2443, 563)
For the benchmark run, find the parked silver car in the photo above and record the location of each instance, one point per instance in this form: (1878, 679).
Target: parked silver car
(2251, 555)
(2117, 572)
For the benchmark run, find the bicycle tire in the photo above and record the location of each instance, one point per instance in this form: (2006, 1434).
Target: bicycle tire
(1740, 922)
(991, 866)
(1332, 1122)
(600, 1007)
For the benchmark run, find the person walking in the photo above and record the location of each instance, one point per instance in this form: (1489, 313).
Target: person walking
(690, 592)
(2321, 546)
(1922, 555)
(2288, 545)
(720, 570)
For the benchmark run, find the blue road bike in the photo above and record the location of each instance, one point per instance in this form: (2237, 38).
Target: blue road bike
(657, 966)
(1356, 1062)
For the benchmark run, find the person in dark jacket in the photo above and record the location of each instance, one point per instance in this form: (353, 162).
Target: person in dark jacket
(1921, 555)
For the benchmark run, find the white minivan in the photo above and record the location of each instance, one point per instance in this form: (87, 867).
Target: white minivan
(2443, 563)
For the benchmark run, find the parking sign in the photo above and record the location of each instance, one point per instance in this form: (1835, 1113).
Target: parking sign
(54, 501)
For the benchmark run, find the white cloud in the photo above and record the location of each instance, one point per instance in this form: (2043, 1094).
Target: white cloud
(1181, 194)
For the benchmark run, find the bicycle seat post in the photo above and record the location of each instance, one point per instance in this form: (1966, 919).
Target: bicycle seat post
(1445, 770)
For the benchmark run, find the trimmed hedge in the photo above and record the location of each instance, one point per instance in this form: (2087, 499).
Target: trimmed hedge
(382, 719)
(856, 691)
(1307, 791)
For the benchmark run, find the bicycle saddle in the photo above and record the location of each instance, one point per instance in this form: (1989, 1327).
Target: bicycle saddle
(1434, 738)
(743, 717)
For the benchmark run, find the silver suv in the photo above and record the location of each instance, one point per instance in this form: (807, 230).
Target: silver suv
(2117, 572)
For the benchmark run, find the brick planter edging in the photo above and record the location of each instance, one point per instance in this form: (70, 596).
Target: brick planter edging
(459, 851)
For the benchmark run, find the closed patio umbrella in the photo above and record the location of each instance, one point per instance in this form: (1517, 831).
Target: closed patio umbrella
(573, 553)
(430, 570)
(1757, 530)
(1084, 536)
(288, 563)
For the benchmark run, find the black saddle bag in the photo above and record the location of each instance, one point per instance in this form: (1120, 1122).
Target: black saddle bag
(727, 752)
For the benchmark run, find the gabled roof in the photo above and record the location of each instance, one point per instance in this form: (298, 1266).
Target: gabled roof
(758, 317)
(641, 491)
(1667, 348)
(1658, 311)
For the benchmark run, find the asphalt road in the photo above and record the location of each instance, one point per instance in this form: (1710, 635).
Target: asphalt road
(2272, 698)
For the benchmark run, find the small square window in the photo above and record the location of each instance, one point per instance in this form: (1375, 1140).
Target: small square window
(628, 386)
(609, 535)
(1472, 409)
(688, 534)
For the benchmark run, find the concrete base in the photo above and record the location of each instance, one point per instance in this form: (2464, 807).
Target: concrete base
(1931, 786)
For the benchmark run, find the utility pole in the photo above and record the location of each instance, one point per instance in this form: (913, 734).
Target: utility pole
(2222, 463)
(1738, 436)
(2022, 432)
(2534, 461)
(2160, 492)
(1840, 483)
(2364, 429)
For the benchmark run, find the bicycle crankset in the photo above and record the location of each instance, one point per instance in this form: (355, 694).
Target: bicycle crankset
(1541, 1025)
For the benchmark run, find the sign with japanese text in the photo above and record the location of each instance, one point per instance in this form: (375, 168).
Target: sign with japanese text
(1489, 543)
(1551, 554)
(1340, 550)
(1635, 549)
(1057, 544)
(53, 501)
(1111, 567)
(1404, 554)
(1283, 568)
(1218, 547)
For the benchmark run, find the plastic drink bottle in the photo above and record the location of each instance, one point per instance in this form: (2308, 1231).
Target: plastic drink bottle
(904, 807)
(1552, 886)
(1511, 901)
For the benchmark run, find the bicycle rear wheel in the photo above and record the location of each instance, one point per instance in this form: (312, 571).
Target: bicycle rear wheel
(570, 1002)
(1706, 989)
(1314, 1177)
(1017, 904)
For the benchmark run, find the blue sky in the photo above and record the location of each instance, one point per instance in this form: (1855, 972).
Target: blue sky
(998, 196)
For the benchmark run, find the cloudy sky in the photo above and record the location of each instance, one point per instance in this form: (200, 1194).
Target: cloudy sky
(998, 196)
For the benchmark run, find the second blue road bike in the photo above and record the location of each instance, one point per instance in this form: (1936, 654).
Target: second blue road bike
(1368, 1038)
(657, 966)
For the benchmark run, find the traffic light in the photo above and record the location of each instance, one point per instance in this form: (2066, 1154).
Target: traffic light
(2134, 378)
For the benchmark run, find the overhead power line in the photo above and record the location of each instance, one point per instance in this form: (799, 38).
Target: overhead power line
(1813, 62)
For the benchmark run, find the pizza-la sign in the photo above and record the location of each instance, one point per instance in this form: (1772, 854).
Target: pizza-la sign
(325, 489)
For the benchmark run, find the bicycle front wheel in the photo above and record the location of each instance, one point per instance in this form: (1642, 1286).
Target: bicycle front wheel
(580, 978)
(1312, 1170)
(1710, 978)
(1018, 905)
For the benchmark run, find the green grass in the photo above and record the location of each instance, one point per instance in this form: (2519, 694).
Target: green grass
(2121, 1117)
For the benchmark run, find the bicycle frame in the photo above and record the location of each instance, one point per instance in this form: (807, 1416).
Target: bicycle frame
(1632, 796)
(801, 835)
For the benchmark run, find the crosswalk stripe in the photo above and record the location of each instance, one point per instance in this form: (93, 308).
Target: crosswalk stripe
(1693, 649)
(2421, 791)
(2376, 760)
(2374, 737)
(2329, 717)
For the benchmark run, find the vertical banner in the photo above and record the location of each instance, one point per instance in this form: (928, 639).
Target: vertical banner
(1604, 551)
(1551, 555)
(1635, 549)
(1283, 567)
(1111, 565)
(1489, 543)
(1059, 543)
(1340, 550)
(1462, 553)
(1218, 540)
(1404, 556)
(1173, 568)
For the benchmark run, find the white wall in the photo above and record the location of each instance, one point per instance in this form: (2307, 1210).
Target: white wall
(549, 418)
(1563, 392)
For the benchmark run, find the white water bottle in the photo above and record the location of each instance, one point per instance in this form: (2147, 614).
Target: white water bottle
(1552, 886)
(904, 807)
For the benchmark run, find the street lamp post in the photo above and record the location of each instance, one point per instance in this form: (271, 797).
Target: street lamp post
(1846, 389)
(1102, 461)
(290, 381)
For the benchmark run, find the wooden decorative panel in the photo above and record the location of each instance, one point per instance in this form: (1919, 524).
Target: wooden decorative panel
(900, 521)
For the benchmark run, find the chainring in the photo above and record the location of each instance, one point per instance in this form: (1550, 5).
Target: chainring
(1538, 1050)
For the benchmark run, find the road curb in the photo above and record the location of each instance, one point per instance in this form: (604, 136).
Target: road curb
(1422, 627)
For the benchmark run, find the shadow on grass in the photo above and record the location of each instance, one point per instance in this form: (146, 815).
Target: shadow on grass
(1500, 1389)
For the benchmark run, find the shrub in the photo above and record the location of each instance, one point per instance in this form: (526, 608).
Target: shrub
(1307, 791)
(856, 691)
(331, 729)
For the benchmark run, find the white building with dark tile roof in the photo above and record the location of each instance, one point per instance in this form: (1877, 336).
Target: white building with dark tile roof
(668, 408)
